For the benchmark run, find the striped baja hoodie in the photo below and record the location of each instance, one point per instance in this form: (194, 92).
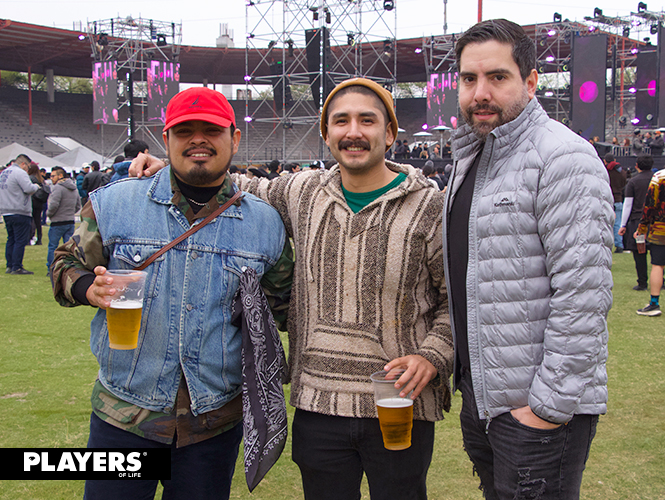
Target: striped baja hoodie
(368, 288)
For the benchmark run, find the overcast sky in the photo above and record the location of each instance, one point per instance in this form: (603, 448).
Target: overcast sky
(201, 19)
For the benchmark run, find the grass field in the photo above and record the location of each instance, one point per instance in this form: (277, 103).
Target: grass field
(47, 373)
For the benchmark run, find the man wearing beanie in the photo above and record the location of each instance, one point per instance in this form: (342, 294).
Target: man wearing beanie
(369, 295)
(180, 389)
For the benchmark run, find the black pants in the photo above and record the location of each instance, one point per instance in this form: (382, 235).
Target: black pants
(201, 471)
(515, 461)
(641, 268)
(334, 452)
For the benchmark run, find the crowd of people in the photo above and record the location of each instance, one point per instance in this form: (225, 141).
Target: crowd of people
(493, 273)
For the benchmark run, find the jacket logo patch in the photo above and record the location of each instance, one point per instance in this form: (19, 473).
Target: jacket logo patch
(505, 202)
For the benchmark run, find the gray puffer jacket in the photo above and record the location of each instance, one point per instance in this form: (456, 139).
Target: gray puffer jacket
(539, 274)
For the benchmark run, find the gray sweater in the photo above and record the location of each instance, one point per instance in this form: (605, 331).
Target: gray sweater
(15, 191)
(539, 282)
(64, 202)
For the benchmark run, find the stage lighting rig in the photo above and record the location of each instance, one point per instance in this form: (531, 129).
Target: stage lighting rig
(641, 7)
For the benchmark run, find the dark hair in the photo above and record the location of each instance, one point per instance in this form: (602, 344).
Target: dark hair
(273, 166)
(645, 162)
(609, 157)
(33, 169)
(118, 159)
(59, 169)
(23, 158)
(95, 165)
(502, 31)
(134, 147)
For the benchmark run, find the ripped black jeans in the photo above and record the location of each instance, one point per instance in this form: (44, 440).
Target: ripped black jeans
(517, 462)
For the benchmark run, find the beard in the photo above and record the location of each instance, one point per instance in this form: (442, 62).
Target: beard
(503, 116)
(200, 174)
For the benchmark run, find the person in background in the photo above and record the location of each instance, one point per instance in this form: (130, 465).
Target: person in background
(652, 224)
(16, 191)
(132, 149)
(85, 169)
(39, 198)
(618, 179)
(633, 206)
(657, 144)
(93, 179)
(64, 204)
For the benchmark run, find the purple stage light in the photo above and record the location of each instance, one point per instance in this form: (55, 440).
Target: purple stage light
(651, 88)
(588, 92)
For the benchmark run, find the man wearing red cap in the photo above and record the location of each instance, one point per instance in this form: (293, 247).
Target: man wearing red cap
(181, 387)
(369, 295)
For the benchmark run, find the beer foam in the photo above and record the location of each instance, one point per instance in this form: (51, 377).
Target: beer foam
(126, 304)
(394, 402)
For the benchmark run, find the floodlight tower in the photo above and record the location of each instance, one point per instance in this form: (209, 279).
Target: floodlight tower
(305, 48)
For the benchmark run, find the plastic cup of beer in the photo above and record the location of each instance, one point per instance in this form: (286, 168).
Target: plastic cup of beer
(641, 241)
(395, 412)
(123, 317)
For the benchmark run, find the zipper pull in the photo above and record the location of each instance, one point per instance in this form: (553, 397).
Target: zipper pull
(488, 419)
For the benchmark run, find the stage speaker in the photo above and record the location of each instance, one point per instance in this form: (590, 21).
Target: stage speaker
(315, 48)
(646, 98)
(587, 73)
(281, 87)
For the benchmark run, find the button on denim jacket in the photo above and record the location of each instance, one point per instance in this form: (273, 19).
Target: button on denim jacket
(186, 322)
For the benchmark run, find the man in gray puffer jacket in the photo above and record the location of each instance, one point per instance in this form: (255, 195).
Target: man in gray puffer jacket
(527, 244)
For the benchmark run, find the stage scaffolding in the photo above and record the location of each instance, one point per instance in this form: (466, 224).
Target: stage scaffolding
(133, 43)
(305, 48)
(553, 52)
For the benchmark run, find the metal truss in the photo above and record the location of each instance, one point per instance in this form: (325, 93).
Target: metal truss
(305, 48)
(133, 43)
(628, 34)
(553, 59)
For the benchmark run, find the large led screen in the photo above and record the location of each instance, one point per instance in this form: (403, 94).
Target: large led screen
(163, 84)
(105, 92)
(442, 100)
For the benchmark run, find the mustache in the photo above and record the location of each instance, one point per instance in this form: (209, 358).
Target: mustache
(484, 107)
(343, 144)
(210, 149)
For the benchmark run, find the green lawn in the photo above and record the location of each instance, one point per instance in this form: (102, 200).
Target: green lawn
(47, 373)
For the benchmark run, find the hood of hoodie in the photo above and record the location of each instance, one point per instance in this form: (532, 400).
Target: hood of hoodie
(614, 165)
(67, 184)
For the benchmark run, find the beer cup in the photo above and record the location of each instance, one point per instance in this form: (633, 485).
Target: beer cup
(395, 413)
(123, 317)
(641, 241)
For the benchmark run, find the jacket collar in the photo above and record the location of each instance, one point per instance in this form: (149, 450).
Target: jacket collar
(466, 144)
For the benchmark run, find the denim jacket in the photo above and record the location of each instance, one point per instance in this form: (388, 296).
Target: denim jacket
(186, 322)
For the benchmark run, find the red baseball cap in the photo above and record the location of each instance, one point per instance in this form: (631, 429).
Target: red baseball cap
(199, 103)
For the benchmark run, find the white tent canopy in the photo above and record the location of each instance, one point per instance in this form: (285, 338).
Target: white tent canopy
(78, 156)
(9, 153)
